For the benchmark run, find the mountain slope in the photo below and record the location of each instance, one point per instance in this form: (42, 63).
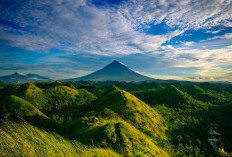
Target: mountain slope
(115, 71)
(19, 77)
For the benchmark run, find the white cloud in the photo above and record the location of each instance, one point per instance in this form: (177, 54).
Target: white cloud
(213, 32)
(205, 63)
(220, 75)
(225, 36)
(185, 14)
(188, 43)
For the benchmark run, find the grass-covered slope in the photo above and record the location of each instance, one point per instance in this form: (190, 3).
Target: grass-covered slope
(33, 94)
(10, 89)
(120, 121)
(56, 97)
(171, 97)
(63, 97)
(211, 95)
(113, 133)
(132, 110)
(13, 106)
(192, 89)
(23, 139)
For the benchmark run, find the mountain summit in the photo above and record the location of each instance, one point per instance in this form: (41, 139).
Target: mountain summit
(114, 71)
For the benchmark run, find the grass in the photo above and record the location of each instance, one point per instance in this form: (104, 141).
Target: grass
(134, 111)
(113, 133)
(23, 139)
(13, 106)
(54, 98)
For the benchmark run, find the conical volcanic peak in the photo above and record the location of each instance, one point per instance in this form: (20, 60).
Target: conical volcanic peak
(115, 67)
(116, 62)
(115, 71)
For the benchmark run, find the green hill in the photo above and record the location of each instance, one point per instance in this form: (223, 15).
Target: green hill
(192, 89)
(13, 106)
(120, 121)
(207, 95)
(33, 94)
(63, 97)
(171, 97)
(113, 133)
(132, 110)
(109, 132)
(56, 97)
(10, 89)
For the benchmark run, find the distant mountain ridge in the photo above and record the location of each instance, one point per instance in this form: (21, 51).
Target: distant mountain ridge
(20, 77)
(114, 71)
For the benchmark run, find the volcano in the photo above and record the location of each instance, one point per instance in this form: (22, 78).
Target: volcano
(114, 71)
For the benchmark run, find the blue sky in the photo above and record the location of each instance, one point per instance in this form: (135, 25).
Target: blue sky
(165, 39)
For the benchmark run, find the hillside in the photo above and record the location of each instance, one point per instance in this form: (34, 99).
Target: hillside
(133, 110)
(121, 121)
(56, 97)
(23, 139)
(13, 107)
(9, 89)
(113, 133)
(171, 97)
(63, 97)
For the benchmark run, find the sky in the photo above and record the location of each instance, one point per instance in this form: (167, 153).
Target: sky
(164, 39)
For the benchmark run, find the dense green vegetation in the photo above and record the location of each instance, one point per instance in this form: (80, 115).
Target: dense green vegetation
(87, 118)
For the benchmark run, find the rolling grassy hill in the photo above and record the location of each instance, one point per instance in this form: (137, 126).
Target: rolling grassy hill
(121, 121)
(133, 110)
(171, 97)
(13, 106)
